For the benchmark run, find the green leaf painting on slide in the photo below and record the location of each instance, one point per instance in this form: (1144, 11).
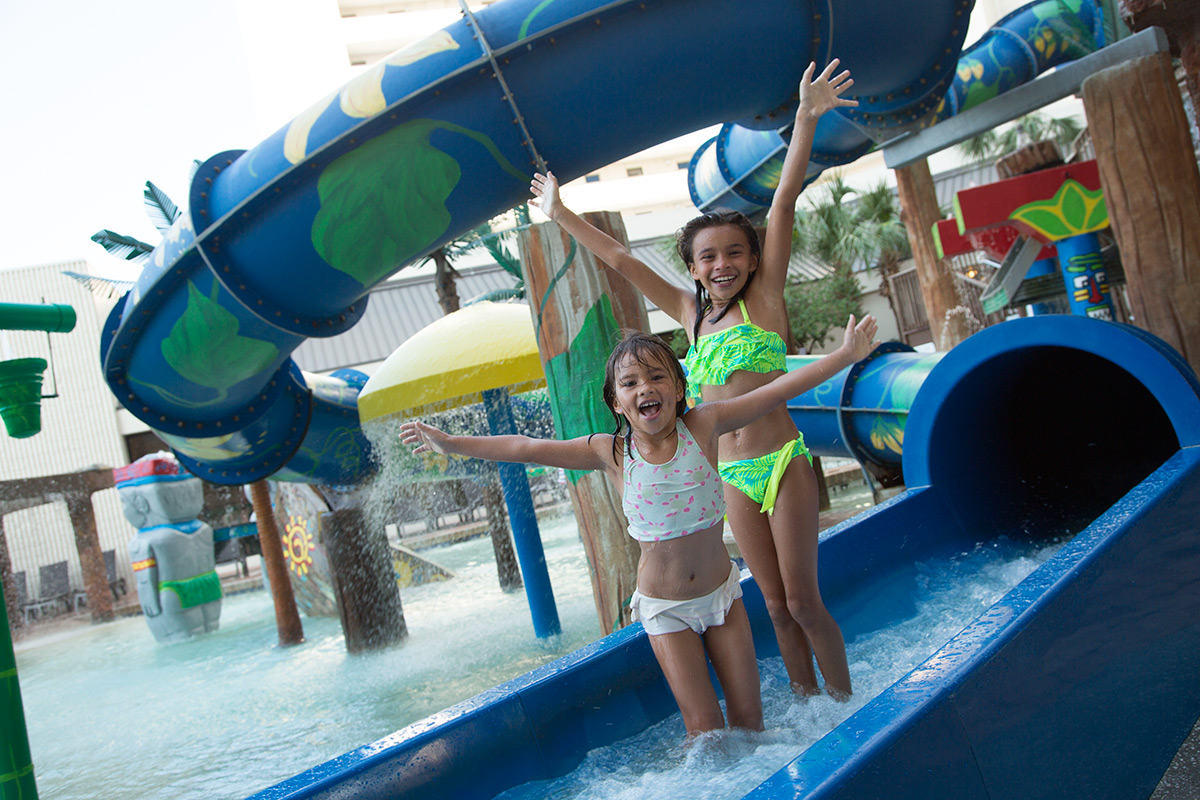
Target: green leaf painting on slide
(205, 347)
(385, 201)
(575, 378)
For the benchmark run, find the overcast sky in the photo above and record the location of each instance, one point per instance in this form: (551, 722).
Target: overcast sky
(100, 97)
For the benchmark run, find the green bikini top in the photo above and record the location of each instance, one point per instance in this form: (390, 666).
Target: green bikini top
(745, 346)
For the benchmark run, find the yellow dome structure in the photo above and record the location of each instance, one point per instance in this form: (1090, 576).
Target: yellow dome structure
(453, 360)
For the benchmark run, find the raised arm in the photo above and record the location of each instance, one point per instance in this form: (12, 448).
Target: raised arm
(857, 343)
(675, 301)
(581, 453)
(817, 95)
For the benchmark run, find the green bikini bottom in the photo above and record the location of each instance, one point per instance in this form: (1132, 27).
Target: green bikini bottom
(758, 478)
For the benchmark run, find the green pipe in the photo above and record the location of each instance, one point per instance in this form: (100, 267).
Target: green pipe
(16, 764)
(50, 317)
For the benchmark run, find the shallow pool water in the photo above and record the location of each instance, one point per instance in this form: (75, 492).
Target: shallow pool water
(112, 714)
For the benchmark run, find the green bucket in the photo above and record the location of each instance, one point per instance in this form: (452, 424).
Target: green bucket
(21, 396)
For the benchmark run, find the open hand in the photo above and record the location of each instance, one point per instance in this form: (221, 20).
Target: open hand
(859, 340)
(424, 438)
(545, 188)
(824, 93)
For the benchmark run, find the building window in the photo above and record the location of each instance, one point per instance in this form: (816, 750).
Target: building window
(592, 179)
(633, 172)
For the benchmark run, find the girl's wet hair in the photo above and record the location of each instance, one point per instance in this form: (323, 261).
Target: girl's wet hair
(649, 351)
(683, 245)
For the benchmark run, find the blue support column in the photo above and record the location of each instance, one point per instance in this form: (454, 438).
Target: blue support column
(526, 537)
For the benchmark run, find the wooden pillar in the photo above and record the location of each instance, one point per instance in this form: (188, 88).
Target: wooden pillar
(368, 599)
(287, 616)
(507, 569)
(1181, 22)
(87, 544)
(579, 308)
(1152, 188)
(919, 211)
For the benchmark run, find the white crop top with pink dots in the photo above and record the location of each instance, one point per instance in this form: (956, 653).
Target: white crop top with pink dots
(667, 501)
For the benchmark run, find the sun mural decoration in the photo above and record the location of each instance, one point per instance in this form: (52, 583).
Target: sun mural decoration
(298, 545)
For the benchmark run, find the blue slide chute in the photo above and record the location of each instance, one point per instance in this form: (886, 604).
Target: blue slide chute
(285, 240)
(739, 168)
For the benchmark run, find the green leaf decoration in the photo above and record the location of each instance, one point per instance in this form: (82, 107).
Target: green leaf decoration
(575, 379)
(205, 348)
(1072, 211)
(1045, 221)
(1097, 219)
(385, 202)
(980, 92)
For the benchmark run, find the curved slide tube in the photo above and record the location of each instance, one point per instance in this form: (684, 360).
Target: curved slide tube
(1094, 654)
(739, 168)
(284, 241)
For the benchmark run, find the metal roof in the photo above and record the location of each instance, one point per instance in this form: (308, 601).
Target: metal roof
(395, 311)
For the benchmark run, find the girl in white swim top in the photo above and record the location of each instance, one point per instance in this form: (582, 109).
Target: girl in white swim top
(662, 458)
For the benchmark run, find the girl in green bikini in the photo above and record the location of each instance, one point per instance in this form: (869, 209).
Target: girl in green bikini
(736, 321)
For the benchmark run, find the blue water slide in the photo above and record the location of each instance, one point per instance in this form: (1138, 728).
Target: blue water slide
(739, 168)
(1079, 682)
(284, 241)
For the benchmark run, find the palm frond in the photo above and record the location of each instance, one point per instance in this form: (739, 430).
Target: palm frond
(159, 208)
(106, 288)
(119, 246)
(495, 245)
(498, 296)
(196, 164)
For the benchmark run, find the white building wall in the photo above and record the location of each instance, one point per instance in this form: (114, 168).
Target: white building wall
(79, 427)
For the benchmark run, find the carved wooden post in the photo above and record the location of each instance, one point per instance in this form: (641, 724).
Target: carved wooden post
(578, 309)
(287, 617)
(1152, 189)
(919, 211)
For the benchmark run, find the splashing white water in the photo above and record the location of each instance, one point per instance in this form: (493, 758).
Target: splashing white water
(656, 765)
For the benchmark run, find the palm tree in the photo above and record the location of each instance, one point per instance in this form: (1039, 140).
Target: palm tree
(1035, 127)
(496, 243)
(845, 228)
(162, 212)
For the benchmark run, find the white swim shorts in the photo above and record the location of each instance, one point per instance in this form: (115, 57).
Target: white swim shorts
(698, 613)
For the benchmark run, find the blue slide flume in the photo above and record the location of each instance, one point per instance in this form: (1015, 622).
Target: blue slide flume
(284, 241)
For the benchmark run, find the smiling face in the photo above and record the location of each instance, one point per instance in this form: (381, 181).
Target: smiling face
(722, 261)
(647, 394)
